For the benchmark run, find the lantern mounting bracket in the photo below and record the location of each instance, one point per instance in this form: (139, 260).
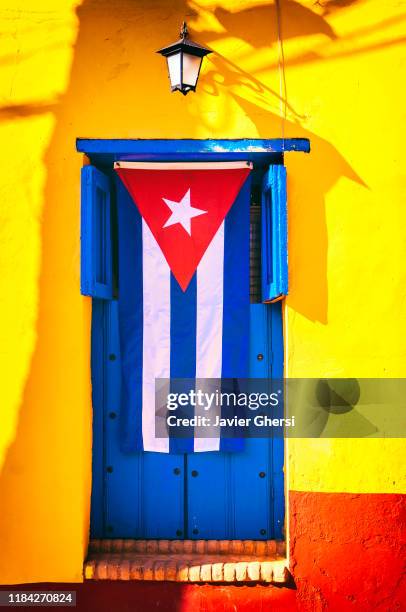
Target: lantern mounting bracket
(183, 31)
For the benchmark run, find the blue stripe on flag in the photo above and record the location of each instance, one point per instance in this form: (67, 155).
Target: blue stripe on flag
(236, 295)
(131, 319)
(183, 349)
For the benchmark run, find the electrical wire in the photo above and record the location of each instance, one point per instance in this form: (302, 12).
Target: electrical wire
(281, 71)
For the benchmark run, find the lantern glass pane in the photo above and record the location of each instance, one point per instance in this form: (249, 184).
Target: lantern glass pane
(191, 65)
(174, 62)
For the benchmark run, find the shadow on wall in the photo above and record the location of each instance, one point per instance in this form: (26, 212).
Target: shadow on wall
(117, 89)
(313, 176)
(256, 24)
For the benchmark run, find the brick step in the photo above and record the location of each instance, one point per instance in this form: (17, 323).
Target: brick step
(187, 561)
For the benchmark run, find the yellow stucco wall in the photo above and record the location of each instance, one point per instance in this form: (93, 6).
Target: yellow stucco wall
(72, 68)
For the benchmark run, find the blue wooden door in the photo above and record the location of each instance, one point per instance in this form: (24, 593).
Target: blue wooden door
(209, 495)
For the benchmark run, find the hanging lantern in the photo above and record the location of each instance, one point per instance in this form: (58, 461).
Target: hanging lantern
(184, 59)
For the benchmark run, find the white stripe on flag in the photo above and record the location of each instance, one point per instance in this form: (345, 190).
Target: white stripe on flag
(156, 334)
(209, 328)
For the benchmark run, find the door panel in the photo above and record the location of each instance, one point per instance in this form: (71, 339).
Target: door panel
(229, 495)
(228, 499)
(142, 494)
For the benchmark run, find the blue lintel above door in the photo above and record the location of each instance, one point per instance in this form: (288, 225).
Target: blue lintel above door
(106, 151)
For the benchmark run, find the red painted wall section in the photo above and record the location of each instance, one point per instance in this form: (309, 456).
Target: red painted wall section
(348, 550)
(106, 596)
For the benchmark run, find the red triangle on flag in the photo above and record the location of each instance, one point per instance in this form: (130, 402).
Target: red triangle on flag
(183, 205)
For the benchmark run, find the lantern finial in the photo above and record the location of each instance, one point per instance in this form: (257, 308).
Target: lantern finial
(183, 31)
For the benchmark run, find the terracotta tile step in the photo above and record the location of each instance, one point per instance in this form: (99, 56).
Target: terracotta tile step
(220, 547)
(183, 566)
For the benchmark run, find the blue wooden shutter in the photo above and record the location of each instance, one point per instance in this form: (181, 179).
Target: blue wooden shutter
(274, 254)
(96, 236)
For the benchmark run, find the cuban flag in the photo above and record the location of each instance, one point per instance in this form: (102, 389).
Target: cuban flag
(183, 287)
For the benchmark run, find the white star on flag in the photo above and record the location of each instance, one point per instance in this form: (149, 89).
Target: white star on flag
(182, 212)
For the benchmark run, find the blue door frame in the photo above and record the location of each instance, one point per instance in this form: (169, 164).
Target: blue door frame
(110, 519)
